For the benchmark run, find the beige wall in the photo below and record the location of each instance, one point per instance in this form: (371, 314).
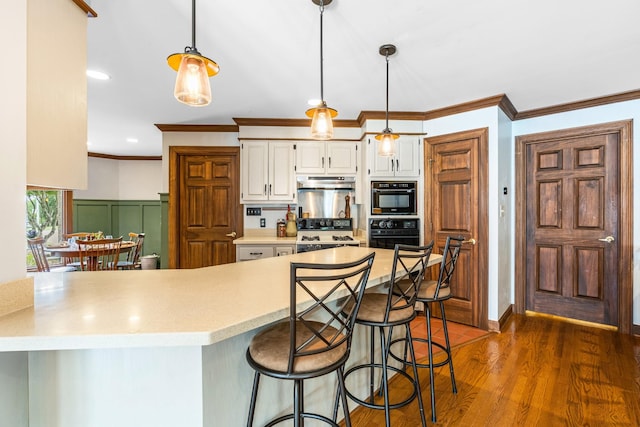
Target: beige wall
(122, 180)
(56, 93)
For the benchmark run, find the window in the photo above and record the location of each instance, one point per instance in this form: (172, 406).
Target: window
(48, 216)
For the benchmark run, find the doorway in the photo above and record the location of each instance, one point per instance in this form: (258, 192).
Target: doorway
(574, 224)
(456, 176)
(205, 214)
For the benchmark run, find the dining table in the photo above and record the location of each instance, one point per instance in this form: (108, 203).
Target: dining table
(72, 251)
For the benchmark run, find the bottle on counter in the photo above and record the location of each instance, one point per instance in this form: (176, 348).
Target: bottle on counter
(281, 228)
(292, 225)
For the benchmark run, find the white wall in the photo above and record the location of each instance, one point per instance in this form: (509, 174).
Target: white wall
(111, 179)
(603, 114)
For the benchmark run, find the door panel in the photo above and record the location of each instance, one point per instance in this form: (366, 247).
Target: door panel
(572, 198)
(455, 204)
(204, 205)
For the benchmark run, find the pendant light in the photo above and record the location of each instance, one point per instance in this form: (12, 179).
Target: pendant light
(192, 82)
(387, 139)
(321, 115)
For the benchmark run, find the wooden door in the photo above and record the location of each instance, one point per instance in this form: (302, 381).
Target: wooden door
(455, 204)
(572, 183)
(204, 204)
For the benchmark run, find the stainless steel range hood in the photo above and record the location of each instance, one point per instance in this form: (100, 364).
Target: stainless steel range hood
(324, 196)
(326, 182)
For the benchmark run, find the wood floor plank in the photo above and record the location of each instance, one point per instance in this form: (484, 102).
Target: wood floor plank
(537, 372)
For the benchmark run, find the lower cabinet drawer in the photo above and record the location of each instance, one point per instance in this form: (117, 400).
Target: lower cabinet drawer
(246, 253)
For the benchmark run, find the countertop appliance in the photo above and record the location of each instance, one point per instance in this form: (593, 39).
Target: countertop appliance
(393, 198)
(323, 233)
(386, 233)
(324, 196)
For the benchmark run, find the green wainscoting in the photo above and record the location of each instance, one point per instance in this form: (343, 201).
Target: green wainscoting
(119, 218)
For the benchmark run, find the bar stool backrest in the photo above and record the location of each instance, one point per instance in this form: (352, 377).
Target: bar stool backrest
(336, 291)
(449, 260)
(409, 267)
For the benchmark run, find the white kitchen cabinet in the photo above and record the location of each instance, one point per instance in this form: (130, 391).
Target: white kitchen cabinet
(248, 253)
(406, 161)
(284, 250)
(327, 157)
(268, 172)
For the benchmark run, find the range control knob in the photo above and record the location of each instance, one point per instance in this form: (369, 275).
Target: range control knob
(389, 224)
(382, 224)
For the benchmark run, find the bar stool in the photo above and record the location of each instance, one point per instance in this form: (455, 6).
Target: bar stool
(386, 310)
(435, 291)
(316, 339)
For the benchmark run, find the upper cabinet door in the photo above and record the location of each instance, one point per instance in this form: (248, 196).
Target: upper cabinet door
(406, 161)
(407, 157)
(282, 178)
(342, 157)
(267, 171)
(254, 170)
(311, 157)
(326, 157)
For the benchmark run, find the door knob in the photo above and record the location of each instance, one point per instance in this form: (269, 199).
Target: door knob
(472, 241)
(608, 239)
(232, 234)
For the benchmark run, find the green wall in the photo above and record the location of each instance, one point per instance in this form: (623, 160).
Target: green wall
(119, 218)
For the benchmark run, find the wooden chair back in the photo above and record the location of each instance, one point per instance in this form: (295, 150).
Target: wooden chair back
(37, 249)
(102, 254)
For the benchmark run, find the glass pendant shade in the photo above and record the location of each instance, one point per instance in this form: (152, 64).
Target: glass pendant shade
(322, 121)
(192, 82)
(387, 143)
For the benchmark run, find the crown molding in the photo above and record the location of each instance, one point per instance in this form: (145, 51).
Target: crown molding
(113, 157)
(291, 122)
(196, 128)
(587, 103)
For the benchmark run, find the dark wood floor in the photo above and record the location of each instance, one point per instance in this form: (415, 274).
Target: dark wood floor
(537, 372)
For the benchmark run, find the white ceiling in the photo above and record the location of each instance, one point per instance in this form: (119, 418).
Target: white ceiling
(538, 52)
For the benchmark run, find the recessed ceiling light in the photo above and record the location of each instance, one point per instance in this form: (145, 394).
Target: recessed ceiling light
(98, 75)
(132, 140)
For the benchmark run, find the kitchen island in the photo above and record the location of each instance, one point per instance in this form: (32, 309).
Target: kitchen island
(159, 347)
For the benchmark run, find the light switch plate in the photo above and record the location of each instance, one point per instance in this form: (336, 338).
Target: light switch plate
(263, 222)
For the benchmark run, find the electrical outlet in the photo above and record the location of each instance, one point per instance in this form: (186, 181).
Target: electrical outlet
(254, 211)
(263, 222)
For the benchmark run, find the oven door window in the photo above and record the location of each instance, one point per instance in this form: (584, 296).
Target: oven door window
(391, 241)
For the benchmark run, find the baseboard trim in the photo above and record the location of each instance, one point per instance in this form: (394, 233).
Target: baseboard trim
(497, 326)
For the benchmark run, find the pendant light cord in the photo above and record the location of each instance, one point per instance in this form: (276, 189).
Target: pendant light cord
(321, 57)
(387, 110)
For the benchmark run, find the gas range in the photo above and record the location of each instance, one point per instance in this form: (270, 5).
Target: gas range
(322, 233)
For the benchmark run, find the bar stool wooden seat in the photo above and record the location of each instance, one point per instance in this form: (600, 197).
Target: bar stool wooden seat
(435, 292)
(387, 310)
(316, 339)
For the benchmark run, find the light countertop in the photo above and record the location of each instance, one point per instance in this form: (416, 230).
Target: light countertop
(155, 308)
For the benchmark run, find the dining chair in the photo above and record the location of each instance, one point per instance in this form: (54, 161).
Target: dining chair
(101, 254)
(133, 257)
(315, 339)
(80, 235)
(36, 245)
